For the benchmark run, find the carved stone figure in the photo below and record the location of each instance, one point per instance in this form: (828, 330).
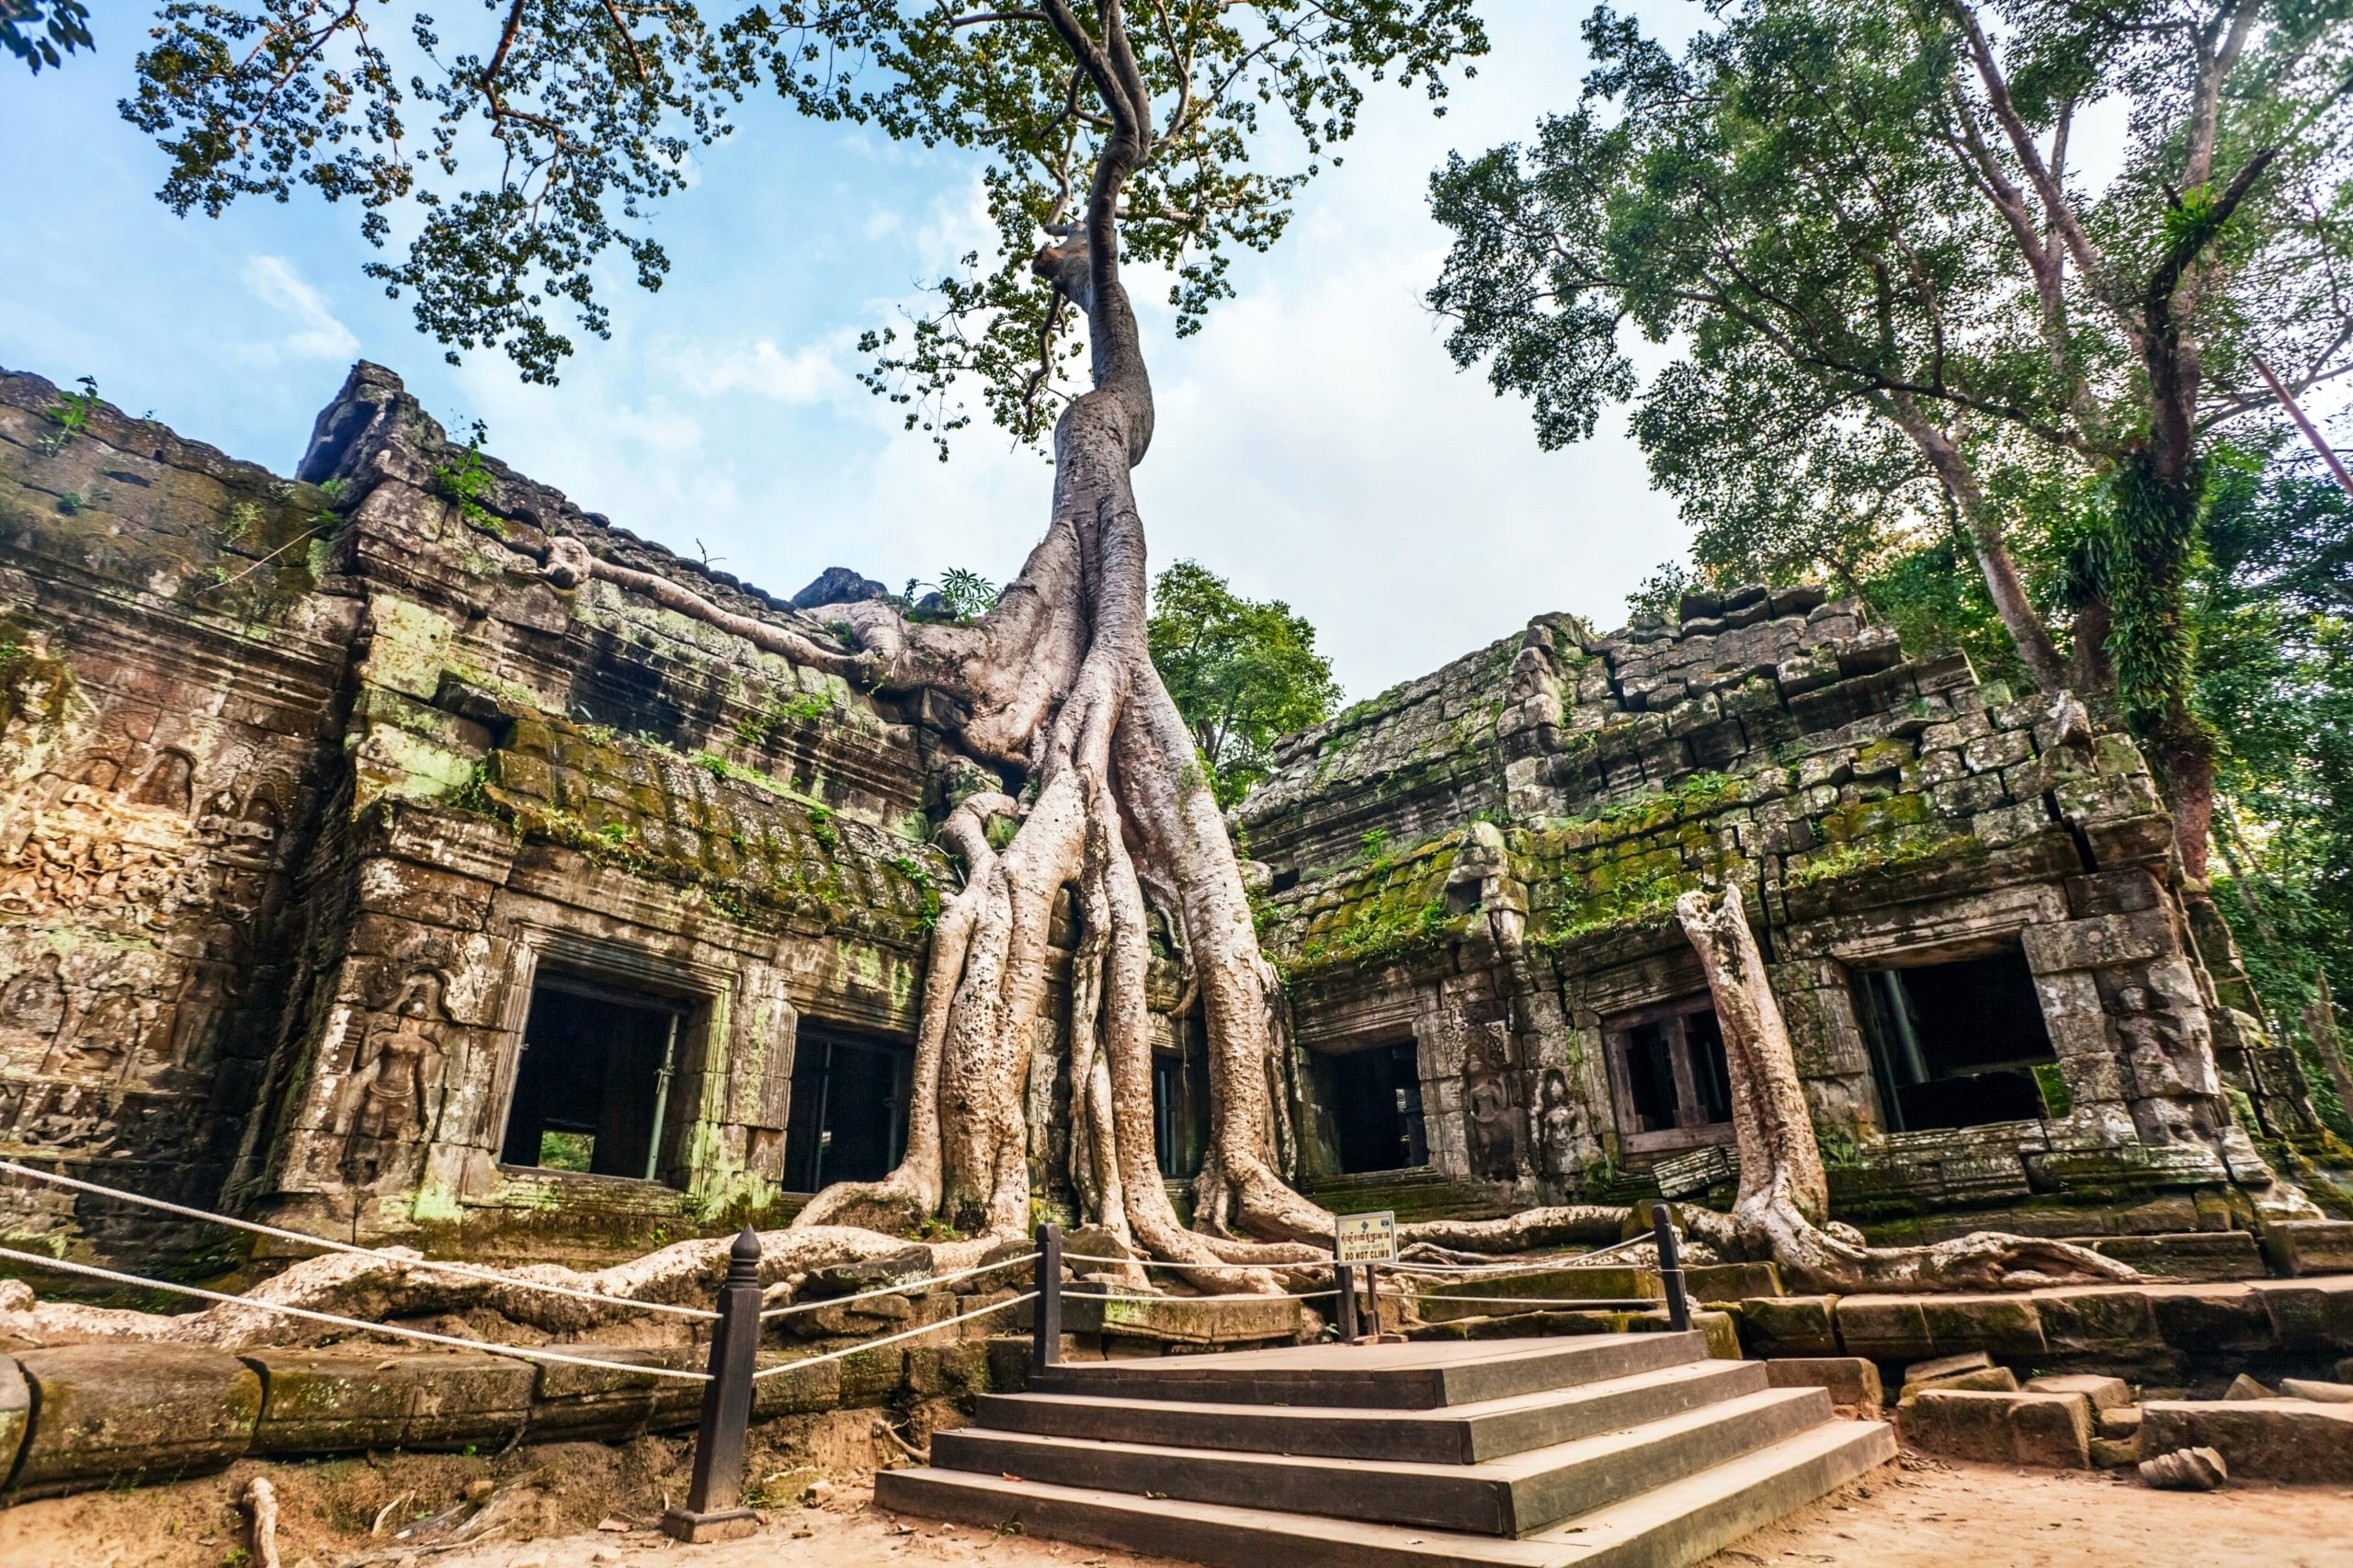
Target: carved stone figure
(390, 1095)
(1488, 1102)
(35, 1000)
(1559, 1124)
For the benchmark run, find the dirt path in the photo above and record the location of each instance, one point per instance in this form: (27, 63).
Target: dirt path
(1912, 1514)
(1920, 1512)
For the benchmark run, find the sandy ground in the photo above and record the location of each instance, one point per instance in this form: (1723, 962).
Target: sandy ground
(1915, 1512)
(1919, 1511)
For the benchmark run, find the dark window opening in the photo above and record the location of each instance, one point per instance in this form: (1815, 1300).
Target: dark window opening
(1376, 1101)
(1180, 1110)
(1667, 1068)
(1956, 1044)
(1284, 880)
(848, 1117)
(592, 1089)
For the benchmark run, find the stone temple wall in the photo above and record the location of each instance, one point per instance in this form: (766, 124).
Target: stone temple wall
(1481, 866)
(305, 783)
(311, 789)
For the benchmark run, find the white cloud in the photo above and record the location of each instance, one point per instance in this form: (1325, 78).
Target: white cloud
(806, 375)
(314, 331)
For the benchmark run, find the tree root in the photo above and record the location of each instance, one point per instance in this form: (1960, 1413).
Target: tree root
(1782, 1209)
(382, 1289)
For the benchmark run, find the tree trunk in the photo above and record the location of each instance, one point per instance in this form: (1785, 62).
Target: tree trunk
(1060, 682)
(1783, 1205)
(2319, 1022)
(2020, 618)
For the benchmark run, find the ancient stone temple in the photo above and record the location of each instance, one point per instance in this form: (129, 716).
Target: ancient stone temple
(360, 870)
(2010, 1009)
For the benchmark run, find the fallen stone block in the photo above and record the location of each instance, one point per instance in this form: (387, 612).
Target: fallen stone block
(2271, 1440)
(2105, 1393)
(1982, 1380)
(122, 1413)
(1850, 1379)
(2116, 1453)
(2120, 1421)
(316, 1401)
(2313, 1389)
(2245, 1387)
(2053, 1430)
(2186, 1469)
(1947, 1367)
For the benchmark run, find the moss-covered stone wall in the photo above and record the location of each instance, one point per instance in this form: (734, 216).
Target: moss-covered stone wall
(1485, 861)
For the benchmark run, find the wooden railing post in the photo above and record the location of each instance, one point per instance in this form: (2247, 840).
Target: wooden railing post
(714, 1509)
(1046, 1320)
(1670, 1269)
(1348, 1316)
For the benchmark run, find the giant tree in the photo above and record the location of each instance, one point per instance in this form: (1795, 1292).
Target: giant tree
(1167, 137)
(1898, 303)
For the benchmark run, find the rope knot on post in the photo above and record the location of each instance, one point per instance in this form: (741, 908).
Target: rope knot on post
(714, 1509)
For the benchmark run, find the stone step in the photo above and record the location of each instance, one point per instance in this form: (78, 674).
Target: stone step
(1385, 1376)
(1461, 1434)
(1509, 1497)
(1671, 1527)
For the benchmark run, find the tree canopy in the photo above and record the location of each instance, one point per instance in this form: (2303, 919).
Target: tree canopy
(1242, 671)
(515, 152)
(1900, 314)
(44, 32)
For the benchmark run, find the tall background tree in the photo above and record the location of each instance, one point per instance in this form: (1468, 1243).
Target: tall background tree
(1243, 672)
(1906, 318)
(526, 154)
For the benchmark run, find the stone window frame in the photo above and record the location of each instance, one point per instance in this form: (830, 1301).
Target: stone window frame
(1382, 1031)
(1890, 949)
(1617, 1030)
(705, 991)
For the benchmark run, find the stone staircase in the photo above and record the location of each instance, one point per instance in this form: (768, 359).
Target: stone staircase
(1632, 1450)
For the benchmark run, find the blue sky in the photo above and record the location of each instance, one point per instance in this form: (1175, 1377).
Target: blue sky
(1314, 442)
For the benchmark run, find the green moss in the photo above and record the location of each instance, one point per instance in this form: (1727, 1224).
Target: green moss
(1647, 900)
(2057, 1101)
(1868, 819)
(1909, 847)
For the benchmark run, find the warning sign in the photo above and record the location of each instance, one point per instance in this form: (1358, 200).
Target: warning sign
(1366, 1238)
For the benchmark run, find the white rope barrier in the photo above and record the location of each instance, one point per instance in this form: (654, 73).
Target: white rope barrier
(463, 1271)
(904, 1287)
(1070, 1295)
(1590, 1303)
(520, 1352)
(1545, 1265)
(894, 1339)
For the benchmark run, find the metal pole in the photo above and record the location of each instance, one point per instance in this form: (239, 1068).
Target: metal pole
(714, 1509)
(1670, 1270)
(1348, 1302)
(662, 1099)
(1046, 1322)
